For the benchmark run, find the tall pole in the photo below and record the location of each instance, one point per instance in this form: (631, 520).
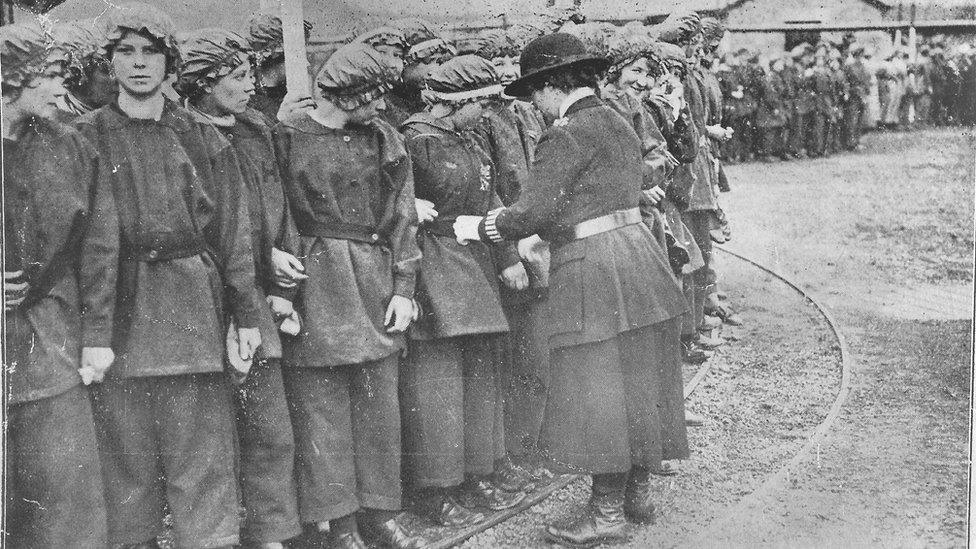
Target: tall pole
(296, 56)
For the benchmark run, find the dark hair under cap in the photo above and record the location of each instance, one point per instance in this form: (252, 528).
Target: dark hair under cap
(462, 79)
(208, 55)
(26, 51)
(356, 74)
(142, 19)
(679, 28)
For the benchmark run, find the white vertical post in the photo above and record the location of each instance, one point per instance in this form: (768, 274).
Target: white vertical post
(296, 56)
(912, 43)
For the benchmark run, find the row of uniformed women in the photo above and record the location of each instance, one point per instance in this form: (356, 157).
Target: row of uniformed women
(358, 240)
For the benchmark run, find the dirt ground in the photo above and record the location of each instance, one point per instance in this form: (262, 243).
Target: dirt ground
(895, 219)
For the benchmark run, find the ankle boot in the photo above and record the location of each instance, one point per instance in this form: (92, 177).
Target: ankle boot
(602, 521)
(638, 507)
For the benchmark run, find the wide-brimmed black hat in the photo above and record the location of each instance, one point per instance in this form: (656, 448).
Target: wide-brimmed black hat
(548, 54)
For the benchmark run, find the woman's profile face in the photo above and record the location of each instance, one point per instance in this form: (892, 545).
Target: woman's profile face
(548, 100)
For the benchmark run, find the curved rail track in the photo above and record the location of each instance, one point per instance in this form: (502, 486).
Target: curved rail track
(769, 485)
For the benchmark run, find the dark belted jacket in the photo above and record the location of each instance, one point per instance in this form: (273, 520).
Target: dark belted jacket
(352, 197)
(270, 217)
(185, 240)
(458, 285)
(588, 165)
(61, 229)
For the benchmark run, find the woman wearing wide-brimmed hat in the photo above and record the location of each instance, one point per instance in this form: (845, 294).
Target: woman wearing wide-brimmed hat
(612, 332)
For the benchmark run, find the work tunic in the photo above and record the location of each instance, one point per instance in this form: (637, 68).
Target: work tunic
(185, 240)
(61, 230)
(352, 197)
(270, 219)
(457, 285)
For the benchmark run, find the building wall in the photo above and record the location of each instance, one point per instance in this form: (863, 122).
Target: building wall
(779, 12)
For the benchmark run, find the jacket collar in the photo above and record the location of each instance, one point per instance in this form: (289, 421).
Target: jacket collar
(424, 118)
(175, 117)
(304, 123)
(574, 97)
(587, 102)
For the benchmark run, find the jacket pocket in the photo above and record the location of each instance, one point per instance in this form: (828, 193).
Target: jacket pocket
(566, 289)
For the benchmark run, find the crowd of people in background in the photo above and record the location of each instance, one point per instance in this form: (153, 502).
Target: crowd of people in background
(452, 269)
(818, 99)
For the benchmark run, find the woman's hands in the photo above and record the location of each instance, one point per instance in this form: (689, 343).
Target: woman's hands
(288, 269)
(399, 314)
(466, 228)
(425, 210)
(515, 277)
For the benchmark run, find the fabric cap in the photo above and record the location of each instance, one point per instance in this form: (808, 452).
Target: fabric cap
(357, 74)
(625, 48)
(140, 17)
(490, 44)
(520, 35)
(461, 79)
(384, 36)
(82, 42)
(435, 50)
(672, 56)
(414, 30)
(679, 27)
(208, 55)
(712, 29)
(594, 36)
(266, 36)
(26, 50)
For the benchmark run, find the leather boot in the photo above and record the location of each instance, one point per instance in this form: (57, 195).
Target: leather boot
(483, 493)
(390, 535)
(510, 477)
(638, 507)
(345, 540)
(452, 514)
(602, 522)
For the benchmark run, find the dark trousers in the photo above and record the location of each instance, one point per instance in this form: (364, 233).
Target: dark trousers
(267, 456)
(798, 125)
(525, 373)
(168, 441)
(451, 401)
(54, 482)
(817, 134)
(699, 223)
(347, 437)
(740, 147)
(771, 141)
(851, 124)
(617, 403)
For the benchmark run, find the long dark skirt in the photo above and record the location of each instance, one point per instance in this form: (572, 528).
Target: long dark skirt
(616, 403)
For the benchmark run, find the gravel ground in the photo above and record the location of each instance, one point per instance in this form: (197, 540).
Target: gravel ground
(893, 470)
(762, 397)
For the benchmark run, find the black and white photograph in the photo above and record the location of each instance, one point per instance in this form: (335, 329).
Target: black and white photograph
(527, 274)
